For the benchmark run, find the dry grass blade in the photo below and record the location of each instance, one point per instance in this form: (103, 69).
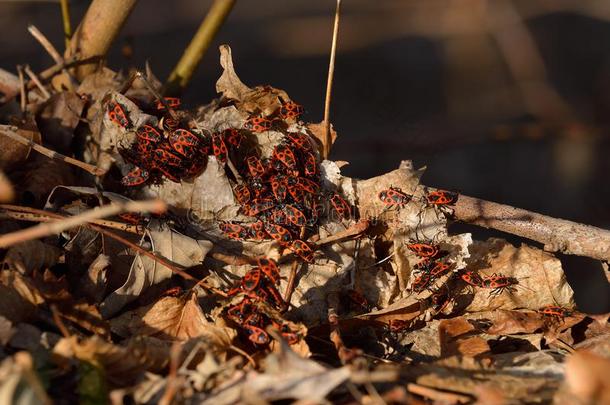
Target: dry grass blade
(56, 227)
(37, 82)
(329, 82)
(65, 18)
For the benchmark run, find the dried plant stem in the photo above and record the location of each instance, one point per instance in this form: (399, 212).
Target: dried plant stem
(291, 281)
(350, 232)
(438, 396)
(557, 235)
(22, 92)
(46, 44)
(98, 30)
(37, 82)
(65, 18)
(10, 131)
(329, 82)
(32, 217)
(53, 228)
(183, 72)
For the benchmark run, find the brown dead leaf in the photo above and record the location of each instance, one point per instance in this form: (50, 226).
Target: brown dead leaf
(456, 337)
(513, 322)
(318, 131)
(41, 176)
(58, 118)
(172, 318)
(13, 153)
(30, 256)
(93, 282)
(587, 378)
(9, 86)
(541, 278)
(263, 100)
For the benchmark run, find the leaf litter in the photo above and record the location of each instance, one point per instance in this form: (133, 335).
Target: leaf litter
(303, 285)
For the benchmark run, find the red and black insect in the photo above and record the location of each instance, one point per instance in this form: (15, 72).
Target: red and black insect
(299, 140)
(283, 154)
(184, 142)
(278, 233)
(438, 269)
(442, 198)
(555, 311)
(270, 269)
(257, 230)
(172, 102)
(234, 231)
(242, 193)
(290, 110)
(424, 249)
(255, 207)
(255, 166)
(472, 278)
(233, 137)
(295, 192)
(310, 164)
(421, 282)
(169, 123)
(307, 185)
(172, 292)
(340, 206)
(117, 114)
(197, 165)
(238, 312)
(135, 177)
(279, 187)
(258, 124)
(393, 197)
(294, 215)
(397, 325)
(302, 249)
(498, 283)
(148, 133)
(219, 148)
(255, 333)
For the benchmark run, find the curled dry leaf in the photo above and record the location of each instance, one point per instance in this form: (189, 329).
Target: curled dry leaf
(261, 99)
(173, 318)
(41, 176)
(30, 256)
(145, 272)
(541, 280)
(93, 282)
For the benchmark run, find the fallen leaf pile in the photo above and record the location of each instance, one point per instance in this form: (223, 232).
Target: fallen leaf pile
(271, 277)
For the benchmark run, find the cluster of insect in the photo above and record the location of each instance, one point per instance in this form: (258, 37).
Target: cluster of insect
(259, 285)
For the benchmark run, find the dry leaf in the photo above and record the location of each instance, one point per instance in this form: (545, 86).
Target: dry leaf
(172, 318)
(30, 256)
(58, 118)
(318, 131)
(146, 272)
(93, 282)
(13, 153)
(456, 338)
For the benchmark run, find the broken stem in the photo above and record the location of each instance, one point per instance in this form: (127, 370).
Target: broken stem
(185, 68)
(56, 227)
(10, 131)
(37, 82)
(329, 82)
(65, 18)
(557, 235)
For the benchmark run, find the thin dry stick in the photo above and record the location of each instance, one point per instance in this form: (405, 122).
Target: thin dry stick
(183, 72)
(98, 30)
(350, 232)
(291, 281)
(23, 101)
(53, 228)
(436, 395)
(65, 18)
(31, 217)
(36, 81)
(10, 131)
(557, 235)
(171, 386)
(46, 44)
(329, 82)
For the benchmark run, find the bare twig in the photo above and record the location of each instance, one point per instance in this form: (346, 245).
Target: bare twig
(22, 215)
(557, 235)
(436, 395)
(23, 93)
(36, 81)
(329, 82)
(53, 228)
(98, 30)
(10, 131)
(291, 281)
(183, 72)
(350, 232)
(65, 18)
(46, 44)
(171, 386)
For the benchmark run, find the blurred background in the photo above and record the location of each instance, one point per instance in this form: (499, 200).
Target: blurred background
(503, 100)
